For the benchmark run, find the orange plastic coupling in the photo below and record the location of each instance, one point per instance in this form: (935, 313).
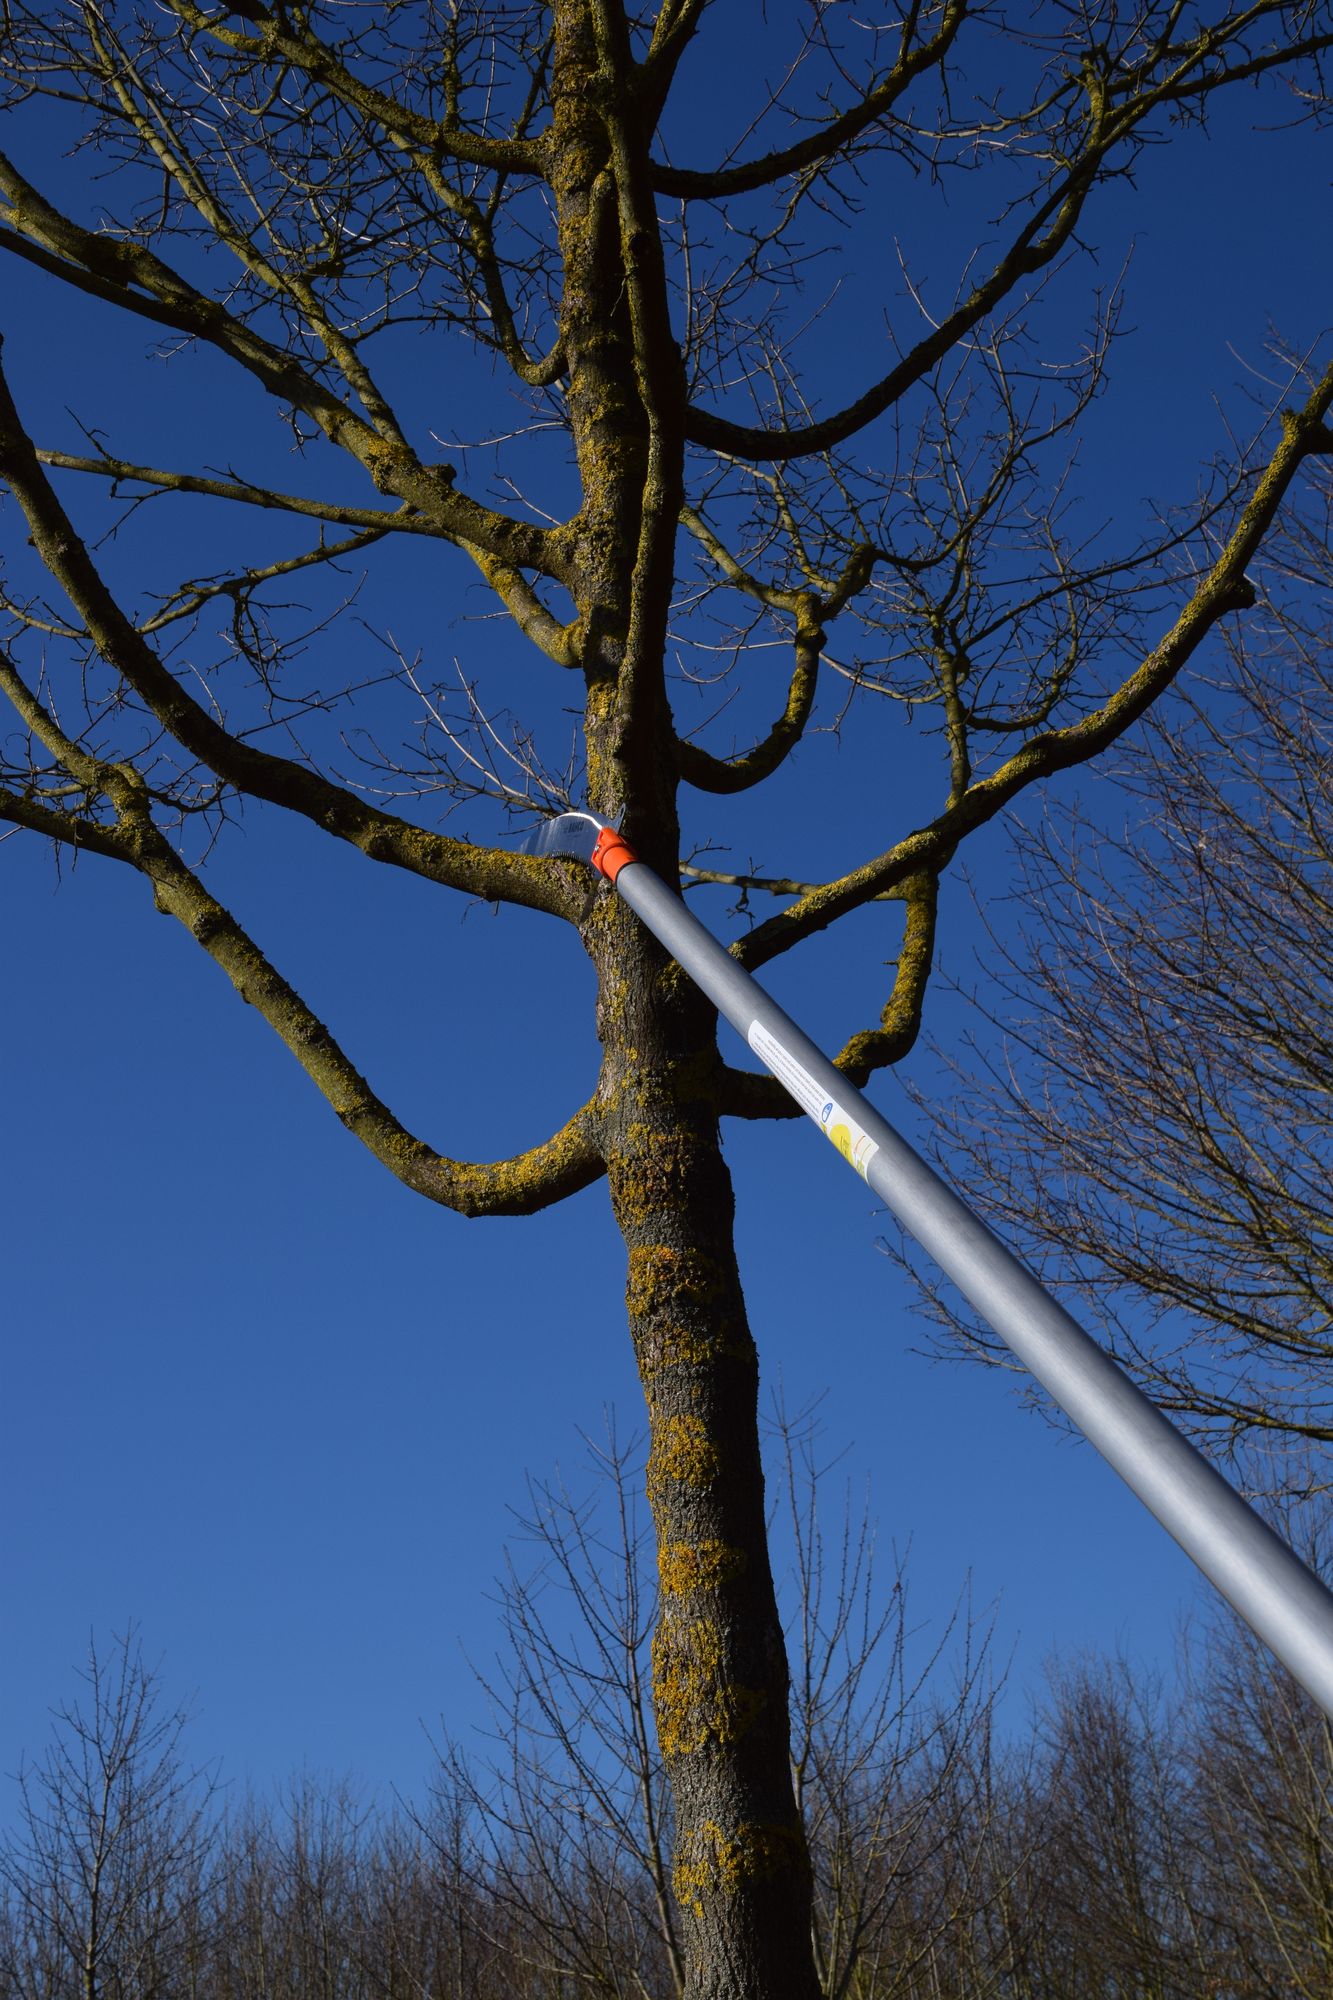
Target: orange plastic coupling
(610, 853)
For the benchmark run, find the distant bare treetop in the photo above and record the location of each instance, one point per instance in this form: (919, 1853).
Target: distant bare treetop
(1168, 1153)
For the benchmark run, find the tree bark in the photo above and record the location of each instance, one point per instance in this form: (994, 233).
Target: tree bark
(720, 1678)
(742, 1871)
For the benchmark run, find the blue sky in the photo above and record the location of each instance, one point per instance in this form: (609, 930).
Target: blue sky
(275, 1409)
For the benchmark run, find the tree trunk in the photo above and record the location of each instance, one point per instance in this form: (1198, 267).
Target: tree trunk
(720, 1683)
(742, 1872)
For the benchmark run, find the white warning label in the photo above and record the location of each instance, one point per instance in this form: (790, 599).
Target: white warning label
(836, 1123)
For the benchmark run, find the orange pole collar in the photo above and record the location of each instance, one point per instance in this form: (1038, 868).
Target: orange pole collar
(610, 853)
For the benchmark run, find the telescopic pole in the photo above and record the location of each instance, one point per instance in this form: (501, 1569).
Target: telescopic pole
(1272, 1589)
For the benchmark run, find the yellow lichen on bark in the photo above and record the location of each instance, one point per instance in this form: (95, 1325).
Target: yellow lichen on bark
(656, 1162)
(712, 1860)
(694, 1703)
(669, 1295)
(682, 1450)
(686, 1567)
(682, 1346)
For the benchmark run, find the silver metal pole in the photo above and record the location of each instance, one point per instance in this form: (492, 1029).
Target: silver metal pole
(1272, 1589)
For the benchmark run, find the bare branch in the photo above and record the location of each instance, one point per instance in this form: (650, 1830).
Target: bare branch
(487, 872)
(136, 278)
(1116, 108)
(737, 774)
(288, 45)
(836, 136)
(520, 1186)
(1223, 588)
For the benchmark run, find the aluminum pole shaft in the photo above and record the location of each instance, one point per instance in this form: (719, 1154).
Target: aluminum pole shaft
(1274, 1592)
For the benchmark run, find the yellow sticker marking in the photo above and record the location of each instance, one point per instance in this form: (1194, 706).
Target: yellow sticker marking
(834, 1121)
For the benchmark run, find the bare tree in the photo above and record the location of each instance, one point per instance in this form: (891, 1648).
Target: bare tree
(1158, 1134)
(429, 1924)
(580, 1817)
(888, 1733)
(1263, 1808)
(1116, 1854)
(890, 1738)
(107, 1862)
(685, 493)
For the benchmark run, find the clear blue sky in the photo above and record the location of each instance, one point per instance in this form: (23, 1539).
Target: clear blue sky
(272, 1407)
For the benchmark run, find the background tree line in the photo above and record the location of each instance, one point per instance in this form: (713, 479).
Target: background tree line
(1125, 1837)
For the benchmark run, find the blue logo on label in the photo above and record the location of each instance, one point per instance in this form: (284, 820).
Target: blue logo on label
(826, 1113)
